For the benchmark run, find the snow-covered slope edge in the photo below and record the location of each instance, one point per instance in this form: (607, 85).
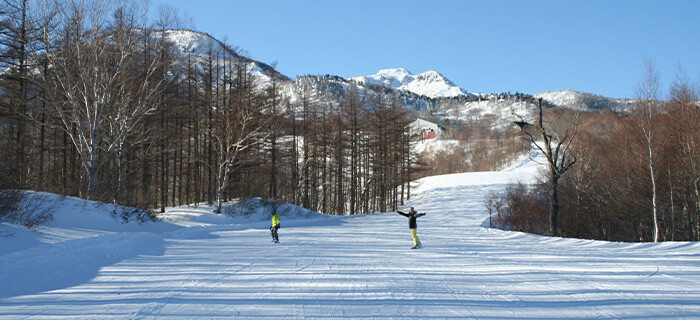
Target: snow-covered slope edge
(85, 236)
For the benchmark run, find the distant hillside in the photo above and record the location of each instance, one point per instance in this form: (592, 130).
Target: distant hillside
(201, 45)
(583, 101)
(428, 94)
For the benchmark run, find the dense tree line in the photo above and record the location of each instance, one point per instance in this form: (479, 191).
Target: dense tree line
(636, 177)
(100, 104)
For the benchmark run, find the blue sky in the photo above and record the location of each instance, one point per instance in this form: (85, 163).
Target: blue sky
(486, 46)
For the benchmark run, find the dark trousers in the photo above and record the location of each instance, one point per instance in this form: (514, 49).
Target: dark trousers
(273, 230)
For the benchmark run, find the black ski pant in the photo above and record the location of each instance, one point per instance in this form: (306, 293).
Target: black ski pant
(273, 230)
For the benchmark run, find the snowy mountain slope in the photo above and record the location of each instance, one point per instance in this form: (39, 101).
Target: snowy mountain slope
(215, 267)
(431, 83)
(498, 110)
(426, 93)
(200, 45)
(583, 101)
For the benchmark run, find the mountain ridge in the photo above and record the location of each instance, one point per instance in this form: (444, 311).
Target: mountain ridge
(430, 83)
(428, 94)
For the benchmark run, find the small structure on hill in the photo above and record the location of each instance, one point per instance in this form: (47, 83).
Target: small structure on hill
(424, 129)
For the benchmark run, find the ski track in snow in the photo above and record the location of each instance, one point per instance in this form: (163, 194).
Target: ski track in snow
(361, 267)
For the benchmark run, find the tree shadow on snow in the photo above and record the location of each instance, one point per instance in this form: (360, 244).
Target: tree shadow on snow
(69, 263)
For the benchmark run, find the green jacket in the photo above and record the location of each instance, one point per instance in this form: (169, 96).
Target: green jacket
(275, 220)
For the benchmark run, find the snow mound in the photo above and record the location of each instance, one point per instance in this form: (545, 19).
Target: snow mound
(81, 237)
(85, 236)
(237, 211)
(261, 209)
(75, 218)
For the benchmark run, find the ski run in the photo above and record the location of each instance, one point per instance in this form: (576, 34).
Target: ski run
(197, 265)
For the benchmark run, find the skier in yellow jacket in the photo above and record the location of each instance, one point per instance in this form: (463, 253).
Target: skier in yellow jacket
(275, 226)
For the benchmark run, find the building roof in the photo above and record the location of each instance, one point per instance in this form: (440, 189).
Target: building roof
(420, 125)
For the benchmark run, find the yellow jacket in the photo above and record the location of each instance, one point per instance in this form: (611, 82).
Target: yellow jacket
(275, 220)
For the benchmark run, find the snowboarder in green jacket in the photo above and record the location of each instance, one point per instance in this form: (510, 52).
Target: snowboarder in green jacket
(412, 215)
(275, 226)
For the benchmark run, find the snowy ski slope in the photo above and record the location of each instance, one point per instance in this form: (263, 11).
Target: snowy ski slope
(357, 267)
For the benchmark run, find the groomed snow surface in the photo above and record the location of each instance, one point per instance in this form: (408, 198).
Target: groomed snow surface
(203, 266)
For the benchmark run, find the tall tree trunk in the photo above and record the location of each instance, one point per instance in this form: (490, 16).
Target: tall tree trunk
(121, 179)
(163, 159)
(90, 175)
(222, 182)
(653, 192)
(64, 176)
(42, 149)
(553, 206)
(273, 166)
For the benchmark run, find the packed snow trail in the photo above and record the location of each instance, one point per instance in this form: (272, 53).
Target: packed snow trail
(362, 267)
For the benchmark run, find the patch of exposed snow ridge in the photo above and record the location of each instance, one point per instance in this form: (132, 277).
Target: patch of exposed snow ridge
(430, 83)
(583, 101)
(561, 97)
(199, 44)
(190, 41)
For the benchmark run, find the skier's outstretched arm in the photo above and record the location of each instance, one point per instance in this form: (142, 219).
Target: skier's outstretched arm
(420, 214)
(401, 213)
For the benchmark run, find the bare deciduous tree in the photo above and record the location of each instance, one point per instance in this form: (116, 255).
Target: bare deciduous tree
(100, 86)
(558, 155)
(238, 125)
(646, 109)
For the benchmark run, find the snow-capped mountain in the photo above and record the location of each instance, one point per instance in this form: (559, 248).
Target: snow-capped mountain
(428, 94)
(431, 83)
